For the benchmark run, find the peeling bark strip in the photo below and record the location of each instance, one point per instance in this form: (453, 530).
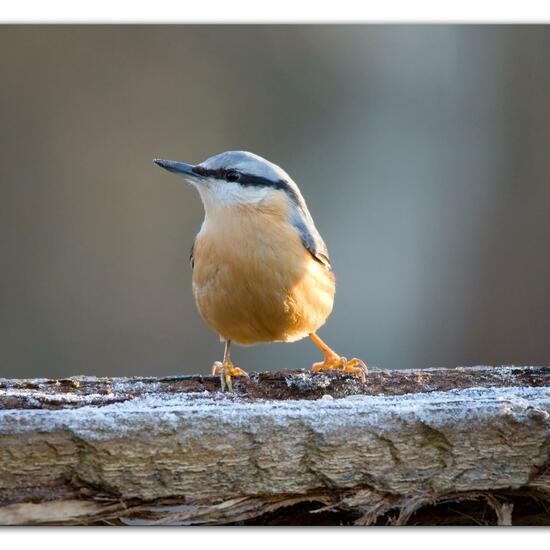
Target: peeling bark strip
(290, 447)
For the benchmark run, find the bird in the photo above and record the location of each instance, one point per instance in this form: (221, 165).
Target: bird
(261, 270)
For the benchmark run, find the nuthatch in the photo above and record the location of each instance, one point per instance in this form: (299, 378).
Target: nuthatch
(261, 271)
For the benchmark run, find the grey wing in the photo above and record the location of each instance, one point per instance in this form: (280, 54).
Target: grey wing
(311, 239)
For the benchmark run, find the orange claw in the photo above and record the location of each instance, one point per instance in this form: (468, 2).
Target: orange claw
(334, 361)
(355, 366)
(225, 371)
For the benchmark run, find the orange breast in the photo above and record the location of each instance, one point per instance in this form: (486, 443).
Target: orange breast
(254, 281)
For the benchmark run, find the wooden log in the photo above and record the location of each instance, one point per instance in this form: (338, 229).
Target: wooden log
(428, 446)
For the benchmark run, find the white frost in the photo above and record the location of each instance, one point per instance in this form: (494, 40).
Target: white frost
(187, 411)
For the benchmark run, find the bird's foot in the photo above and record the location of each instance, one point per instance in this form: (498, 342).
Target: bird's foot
(225, 371)
(334, 361)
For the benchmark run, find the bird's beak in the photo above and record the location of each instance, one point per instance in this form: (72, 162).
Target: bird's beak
(180, 168)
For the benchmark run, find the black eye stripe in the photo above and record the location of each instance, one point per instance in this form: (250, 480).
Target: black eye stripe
(258, 181)
(218, 173)
(249, 180)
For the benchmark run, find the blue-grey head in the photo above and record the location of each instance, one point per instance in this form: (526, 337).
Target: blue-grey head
(240, 177)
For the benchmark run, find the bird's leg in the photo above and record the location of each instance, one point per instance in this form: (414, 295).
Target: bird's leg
(227, 369)
(334, 361)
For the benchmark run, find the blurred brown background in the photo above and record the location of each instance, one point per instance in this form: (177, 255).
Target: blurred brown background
(423, 153)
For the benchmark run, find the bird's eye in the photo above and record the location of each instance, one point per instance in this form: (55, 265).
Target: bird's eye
(232, 175)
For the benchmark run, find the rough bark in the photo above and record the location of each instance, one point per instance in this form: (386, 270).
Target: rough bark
(467, 445)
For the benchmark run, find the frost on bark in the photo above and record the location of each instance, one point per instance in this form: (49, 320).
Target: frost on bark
(433, 446)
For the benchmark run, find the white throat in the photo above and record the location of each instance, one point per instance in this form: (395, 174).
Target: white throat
(219, 194)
